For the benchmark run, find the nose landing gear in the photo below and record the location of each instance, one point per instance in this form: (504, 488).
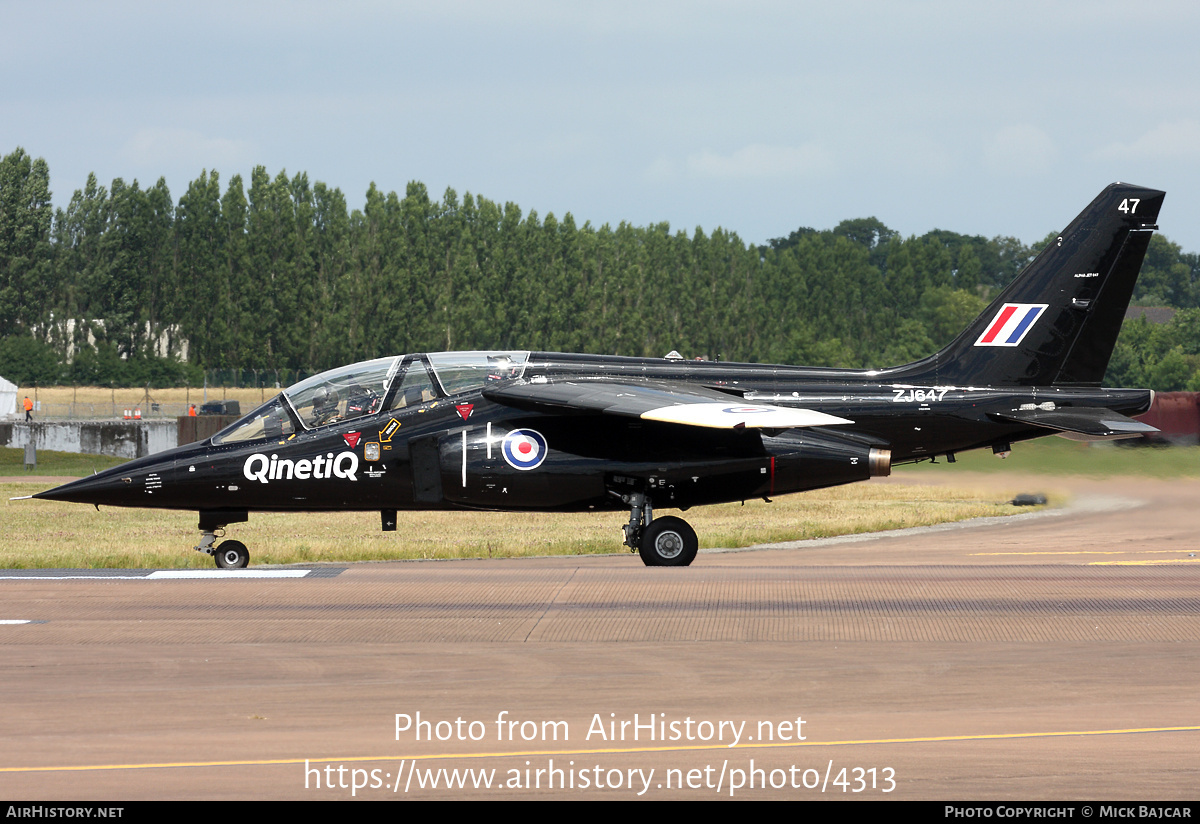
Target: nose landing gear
(230, 554)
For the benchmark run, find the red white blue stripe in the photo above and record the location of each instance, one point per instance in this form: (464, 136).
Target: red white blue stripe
(1011, 324)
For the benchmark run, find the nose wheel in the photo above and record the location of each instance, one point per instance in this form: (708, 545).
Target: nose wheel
(232, 555)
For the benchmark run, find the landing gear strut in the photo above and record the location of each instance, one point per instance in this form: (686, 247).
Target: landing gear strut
(230, 554)
(667, 541)
(640, 514)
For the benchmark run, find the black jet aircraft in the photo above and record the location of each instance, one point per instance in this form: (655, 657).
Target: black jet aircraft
(518, 430)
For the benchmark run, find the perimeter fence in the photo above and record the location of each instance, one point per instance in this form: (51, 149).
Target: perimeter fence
(249, 387)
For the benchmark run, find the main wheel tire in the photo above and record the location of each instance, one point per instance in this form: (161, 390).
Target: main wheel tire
(232, 555)
(668, 541)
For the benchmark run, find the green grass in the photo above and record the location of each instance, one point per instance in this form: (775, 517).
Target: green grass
(1058, 456)
(69, 464)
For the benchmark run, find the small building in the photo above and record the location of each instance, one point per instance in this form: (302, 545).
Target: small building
(1153, 314)
(8, 398)
(1177, 417)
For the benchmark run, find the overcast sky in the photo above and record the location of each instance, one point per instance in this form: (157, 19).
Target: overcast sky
(982, 118)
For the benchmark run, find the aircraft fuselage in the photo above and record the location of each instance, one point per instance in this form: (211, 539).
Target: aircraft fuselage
(448, 452)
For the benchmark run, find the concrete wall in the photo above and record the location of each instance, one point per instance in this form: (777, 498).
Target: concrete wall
(121, 439)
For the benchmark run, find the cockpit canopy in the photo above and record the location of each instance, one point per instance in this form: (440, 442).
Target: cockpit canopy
(360, 389)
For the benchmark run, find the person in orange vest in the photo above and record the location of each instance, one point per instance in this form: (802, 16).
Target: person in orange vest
(28, 409)
(192, 411)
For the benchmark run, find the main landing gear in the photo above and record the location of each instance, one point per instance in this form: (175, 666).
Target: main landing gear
(667, 541)
(230, 554)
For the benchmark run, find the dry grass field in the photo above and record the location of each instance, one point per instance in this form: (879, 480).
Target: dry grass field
(47, 534)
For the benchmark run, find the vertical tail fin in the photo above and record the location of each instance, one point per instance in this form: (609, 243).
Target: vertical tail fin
(1058, 321)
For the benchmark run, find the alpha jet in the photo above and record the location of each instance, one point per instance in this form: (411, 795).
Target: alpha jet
(522, 430)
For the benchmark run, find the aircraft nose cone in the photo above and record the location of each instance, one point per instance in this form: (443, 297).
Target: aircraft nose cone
(98, 489)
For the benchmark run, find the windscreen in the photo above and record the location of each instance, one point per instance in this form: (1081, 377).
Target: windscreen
(342, 394)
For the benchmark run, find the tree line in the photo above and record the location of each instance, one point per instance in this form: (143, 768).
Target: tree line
(277, 273)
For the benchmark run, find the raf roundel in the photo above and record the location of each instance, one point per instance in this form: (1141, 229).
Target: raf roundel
(524, 449)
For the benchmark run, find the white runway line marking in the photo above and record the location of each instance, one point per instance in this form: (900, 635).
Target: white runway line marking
(168, 574)
(72, 577)
(229, 573)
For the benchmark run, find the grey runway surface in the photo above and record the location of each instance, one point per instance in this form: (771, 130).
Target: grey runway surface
(1047, 658)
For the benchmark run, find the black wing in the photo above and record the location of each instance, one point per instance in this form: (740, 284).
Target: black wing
(666, 402)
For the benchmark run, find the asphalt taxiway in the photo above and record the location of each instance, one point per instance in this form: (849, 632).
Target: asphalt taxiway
(1035, 658)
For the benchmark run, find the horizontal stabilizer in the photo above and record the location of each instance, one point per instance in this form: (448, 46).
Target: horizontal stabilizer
(1081, 423)
(663, 401)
